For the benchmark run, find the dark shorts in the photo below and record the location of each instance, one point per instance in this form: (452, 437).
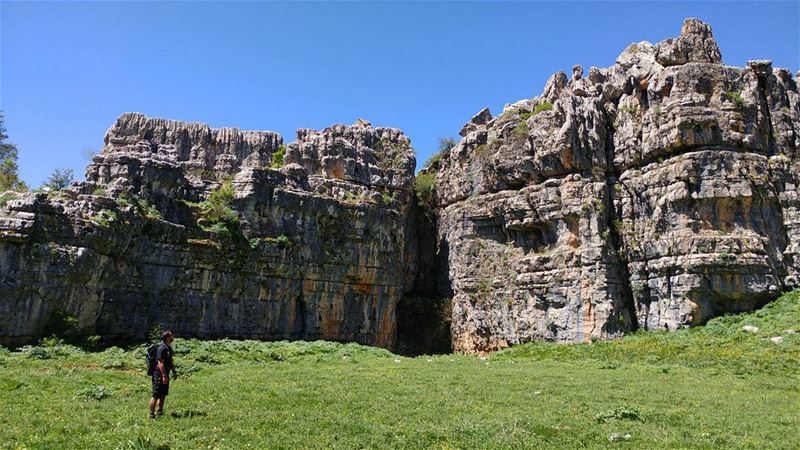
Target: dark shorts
(160, 390)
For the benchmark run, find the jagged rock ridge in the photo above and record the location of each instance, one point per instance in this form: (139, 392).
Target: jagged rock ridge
(319, 251)
(654, 194)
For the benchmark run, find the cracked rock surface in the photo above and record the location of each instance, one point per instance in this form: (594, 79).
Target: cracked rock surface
(653, 194)
(322, 249)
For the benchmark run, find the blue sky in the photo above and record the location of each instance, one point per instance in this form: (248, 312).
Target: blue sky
(68, 69)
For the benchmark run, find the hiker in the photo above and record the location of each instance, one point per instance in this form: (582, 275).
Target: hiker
(164, 365)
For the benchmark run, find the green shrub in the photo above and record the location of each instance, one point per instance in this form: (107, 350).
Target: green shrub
(4, 198)
(114, 363)
(276, 160)
(220, 230)
(434, 159)
(544, 106)
(445, 145)
(284, 241)
(93, 341)
(521, 131)
(155, 333)
(628, 109)
(38, 353)
(623, 413)
(424, 188)
(105, 217)
(59, 179)
(152, 213)
(216, 209)
(50, 342)
(100, 192)
(736, 98)
(94, 392)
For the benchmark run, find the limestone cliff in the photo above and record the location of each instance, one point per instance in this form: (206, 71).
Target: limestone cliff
(316, 250)
(655, 194)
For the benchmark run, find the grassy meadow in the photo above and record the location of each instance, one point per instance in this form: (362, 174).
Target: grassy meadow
(717, 386)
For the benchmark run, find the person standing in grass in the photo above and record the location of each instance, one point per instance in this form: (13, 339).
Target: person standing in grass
(164, 365)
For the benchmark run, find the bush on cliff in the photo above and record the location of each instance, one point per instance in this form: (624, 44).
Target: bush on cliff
(424, 187)
(276, 160)
(445, 145)
(59, 179)
(217, 208)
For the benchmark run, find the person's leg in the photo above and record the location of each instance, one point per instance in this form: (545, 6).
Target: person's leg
(152, 407)
(161, 406)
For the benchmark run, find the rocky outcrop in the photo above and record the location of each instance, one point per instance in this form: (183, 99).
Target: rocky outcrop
(654, 194)
(317, 248)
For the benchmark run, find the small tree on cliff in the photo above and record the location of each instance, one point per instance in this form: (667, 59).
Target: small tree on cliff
(217, 208)
(445, 145)
(9, 171)
(59, 179)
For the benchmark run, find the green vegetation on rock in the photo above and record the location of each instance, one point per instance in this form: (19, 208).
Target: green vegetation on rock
(445, 145)
(141, 205)
(544, 106)
(4, 198)
(276, 161)
(424, 188)
(105, 217)
(59, 179)
(736, 98)
(217, 208)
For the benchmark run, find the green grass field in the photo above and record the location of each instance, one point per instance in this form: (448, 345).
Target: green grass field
(710, 387)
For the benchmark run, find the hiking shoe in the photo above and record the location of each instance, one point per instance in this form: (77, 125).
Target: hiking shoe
(160, 413)
(152, 416)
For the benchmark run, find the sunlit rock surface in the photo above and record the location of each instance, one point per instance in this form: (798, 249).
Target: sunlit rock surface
(321, 250)
(654, 194)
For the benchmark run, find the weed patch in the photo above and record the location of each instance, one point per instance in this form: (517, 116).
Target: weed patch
(623, 413)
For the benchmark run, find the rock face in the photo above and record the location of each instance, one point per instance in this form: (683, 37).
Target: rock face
(654, 194)
(318, 250)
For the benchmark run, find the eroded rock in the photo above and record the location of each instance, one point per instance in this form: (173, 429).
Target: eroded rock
(656, 194)
(320, 250)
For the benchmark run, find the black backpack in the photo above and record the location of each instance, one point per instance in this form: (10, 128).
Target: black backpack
(151, 358)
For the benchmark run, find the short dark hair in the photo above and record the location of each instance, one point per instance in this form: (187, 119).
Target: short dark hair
(165, 335)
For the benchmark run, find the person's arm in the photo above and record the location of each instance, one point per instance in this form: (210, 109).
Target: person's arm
(164, 374)
(160, 365)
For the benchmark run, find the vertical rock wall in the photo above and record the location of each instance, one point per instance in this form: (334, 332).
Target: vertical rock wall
(319, 251)
(655, 194)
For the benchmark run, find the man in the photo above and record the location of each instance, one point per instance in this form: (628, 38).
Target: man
(164, 366)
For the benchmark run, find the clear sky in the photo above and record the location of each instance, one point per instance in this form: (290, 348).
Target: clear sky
(68, 69)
